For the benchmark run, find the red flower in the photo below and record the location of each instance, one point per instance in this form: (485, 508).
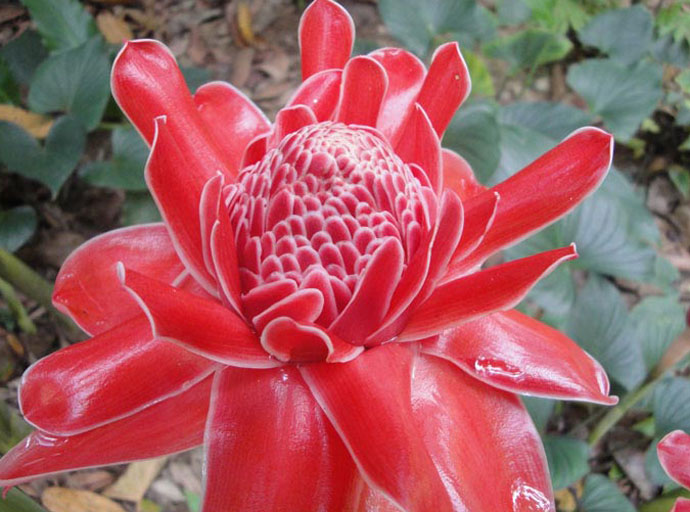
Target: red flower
(674, 456)
(312, 308)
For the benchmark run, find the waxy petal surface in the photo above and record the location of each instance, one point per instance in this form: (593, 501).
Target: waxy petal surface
(446, 86)
(108, 377)
(459, 176)
(232, 120)
(269, 447)
(202, 326)
(681, 505)
(368, 403)
(545, 190)
(176, 182)
(320, 92)
(87, 288)
(514, 352)
(481, 439)
(326, 36)
(674, 456)
(170, 426)
(362, 91)
(418, 144)
(497, 288)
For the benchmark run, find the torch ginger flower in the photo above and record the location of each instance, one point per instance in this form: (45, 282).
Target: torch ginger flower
(312, 308)
(674, 455)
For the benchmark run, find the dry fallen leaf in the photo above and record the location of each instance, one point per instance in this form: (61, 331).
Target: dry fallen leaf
(36, 124)
(244, 23)
(114, 29)
(136, 480)
(59, 499)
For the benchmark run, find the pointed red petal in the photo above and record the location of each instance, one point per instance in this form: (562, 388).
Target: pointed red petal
(106, 378)
(320, 92)
(458, 176)
(681, 505)
(224, 256)
(326, 36)
(87, 288)
(232, 120)
(199, 325)
(446, 86)
(418, 144)
(287, 340)
(481, 439)
(405, 77)
(368, 403)
(255, 150)
(269, 447)
(362, 91)
(372, 295)
(147, 84)
(497, 288)
(515, 352)
(545, 190)
(176, 182)
(303, 305)
(170, 426)
(674, 456)
(289, 120)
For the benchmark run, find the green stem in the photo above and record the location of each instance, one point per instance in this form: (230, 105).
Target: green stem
(109, 126)
(616, 414)
(23, 278)
(16, 307)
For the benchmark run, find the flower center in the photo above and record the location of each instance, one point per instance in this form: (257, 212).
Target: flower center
(314, 210)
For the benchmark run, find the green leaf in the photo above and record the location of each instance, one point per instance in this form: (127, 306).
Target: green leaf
(555, 120)
(17, 225)
(658, 321)
(622, 96)
(672, 52)
(567, 459)
(193, 501)
(64, 24)
(9, 90)
(139, 208)
(50, 164)
(683, 79)
(75, 81)
(529, 48)
(680, 177)
(671, 405)
(12, 428)
(417, 24)
(540, 409)
(513, 12)
(558, 15)
(674, 21)
(23, 55)
(599, 323)
(474, 134)
(17, 501)
(482, 83)
(602, 495)
(126, 167)
(519, 147)
(195, 77)
(624, 34)
(652, 466)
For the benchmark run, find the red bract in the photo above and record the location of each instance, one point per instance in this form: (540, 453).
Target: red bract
(312, 309)
(674, 456)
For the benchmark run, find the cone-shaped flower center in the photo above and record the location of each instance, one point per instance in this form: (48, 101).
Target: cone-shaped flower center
(314, 210)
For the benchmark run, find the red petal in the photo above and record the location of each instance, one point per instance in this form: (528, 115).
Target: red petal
(372, 295)
(320, 92)
(326, 36)
(545, 190)
(303, 305)
(147, 84)
(418, 144)
(170, 426)
(446, 86)
(289, 120)
(232, 120)
(405, 77)
(224, 256)
(368, 402)
(674, 456)
(362, 91)
(87, 288)
(199, 325)
(512, 351)
(371, 500)
(106, 378)
(269, 447)
(209, 205)
(458, 175)
(497, 288)
(176, 182)
(287, 340)
(681, 505)
(481, 440)
(255, 150)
